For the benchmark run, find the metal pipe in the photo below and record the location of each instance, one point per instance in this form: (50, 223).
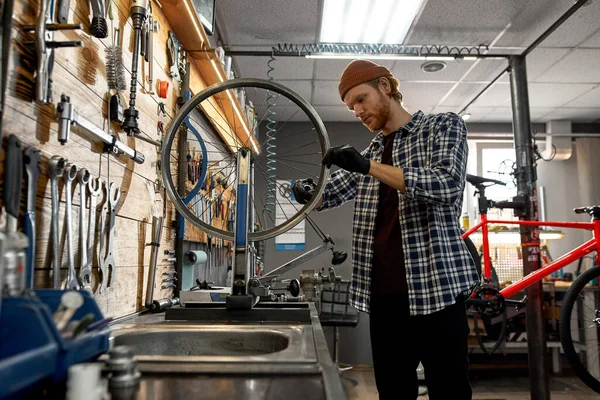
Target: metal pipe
(396, 56)
(157, 225)
(526, 187)
(148, 140)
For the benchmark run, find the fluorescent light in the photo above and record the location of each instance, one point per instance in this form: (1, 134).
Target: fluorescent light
(466, 116)
(367, 21)
(379, 56)
(194, 17)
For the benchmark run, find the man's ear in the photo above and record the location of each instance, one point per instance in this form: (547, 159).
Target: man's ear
(385, 85)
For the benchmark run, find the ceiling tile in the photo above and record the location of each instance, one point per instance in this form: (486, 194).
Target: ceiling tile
(332, 69)
(410, 70)
(577, 28)
(496, 95)
(462, 94)
(424, 93)
(539, 61)
(486, 70)
(589, 99)
(283, 67)
(555, 94)
(326, 93)
(581, 65)
(460, 22)
(270, 22)
(577, 114)
(593, 41)
(531, 21)
(500, 114)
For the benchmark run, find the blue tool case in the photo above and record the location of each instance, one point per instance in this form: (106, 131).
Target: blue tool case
(32, 350)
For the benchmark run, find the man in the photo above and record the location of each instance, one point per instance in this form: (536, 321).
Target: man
(411, 266)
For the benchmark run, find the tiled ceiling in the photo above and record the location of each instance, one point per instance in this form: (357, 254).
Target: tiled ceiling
(563, 72)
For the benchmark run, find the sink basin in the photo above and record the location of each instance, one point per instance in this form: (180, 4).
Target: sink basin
(222, 348)
(204, 342)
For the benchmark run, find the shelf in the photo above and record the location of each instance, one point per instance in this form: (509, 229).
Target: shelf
(545, 234)
(224, 111)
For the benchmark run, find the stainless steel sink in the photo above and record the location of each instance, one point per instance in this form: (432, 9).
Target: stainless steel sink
(235, 348)
(205, 342)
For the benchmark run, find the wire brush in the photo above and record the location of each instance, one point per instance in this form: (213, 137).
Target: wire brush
(115, 70)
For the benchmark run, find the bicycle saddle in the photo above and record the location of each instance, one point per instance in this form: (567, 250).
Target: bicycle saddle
(480, 180)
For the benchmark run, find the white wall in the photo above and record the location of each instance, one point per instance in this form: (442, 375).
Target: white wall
(561, 182)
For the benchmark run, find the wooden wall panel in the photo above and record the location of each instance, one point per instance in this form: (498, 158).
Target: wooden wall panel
(80, 73)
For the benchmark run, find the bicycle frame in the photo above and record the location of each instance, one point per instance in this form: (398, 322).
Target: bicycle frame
(537, 275)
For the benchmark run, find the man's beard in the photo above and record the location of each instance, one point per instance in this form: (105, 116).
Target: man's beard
(380, 116)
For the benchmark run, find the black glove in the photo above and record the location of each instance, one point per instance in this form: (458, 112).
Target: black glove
(303, 190)
(348, 158)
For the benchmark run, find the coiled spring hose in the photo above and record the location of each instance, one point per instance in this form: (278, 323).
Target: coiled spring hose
(270, 146)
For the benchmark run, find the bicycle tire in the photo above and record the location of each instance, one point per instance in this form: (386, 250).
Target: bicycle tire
(501, 336)
(566, 338)
(217, 88)
(474, 253)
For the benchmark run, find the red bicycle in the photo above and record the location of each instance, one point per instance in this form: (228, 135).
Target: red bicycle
(579, 322)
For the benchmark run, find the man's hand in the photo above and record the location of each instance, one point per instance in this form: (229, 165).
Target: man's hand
(348, 158)
(303, 190)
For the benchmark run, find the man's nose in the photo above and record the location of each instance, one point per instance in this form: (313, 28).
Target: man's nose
(358, 112)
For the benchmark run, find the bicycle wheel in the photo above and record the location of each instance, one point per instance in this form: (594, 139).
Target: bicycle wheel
(580, 327)
(286, 137)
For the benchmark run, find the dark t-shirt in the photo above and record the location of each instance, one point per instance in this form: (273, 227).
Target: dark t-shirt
(388, 275)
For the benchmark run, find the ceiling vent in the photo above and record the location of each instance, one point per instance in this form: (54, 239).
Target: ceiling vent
(433, 66)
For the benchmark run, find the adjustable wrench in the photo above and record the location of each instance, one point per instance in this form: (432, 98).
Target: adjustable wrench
(109, 261)
(85, 265)
(56, 166)
(101, 232)
(69, 177)
(95, 190)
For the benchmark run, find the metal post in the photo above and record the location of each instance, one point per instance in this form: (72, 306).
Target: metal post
(526, 186)
(182, 167)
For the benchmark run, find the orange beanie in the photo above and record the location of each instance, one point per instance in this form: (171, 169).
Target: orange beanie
(358, 72)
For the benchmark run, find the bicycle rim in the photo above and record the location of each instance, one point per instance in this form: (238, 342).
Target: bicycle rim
(580, 328)
(280, 115)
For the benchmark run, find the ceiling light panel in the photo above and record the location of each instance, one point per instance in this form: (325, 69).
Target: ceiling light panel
(367, 21)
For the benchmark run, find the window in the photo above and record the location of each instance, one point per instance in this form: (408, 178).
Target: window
(497, 163)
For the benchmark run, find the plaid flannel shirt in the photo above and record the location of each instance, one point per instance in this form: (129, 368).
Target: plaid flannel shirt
(432, 151)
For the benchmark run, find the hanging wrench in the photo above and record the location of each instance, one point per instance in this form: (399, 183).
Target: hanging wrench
(95, 190)
(85, 265)
(109, 261)
(101, 232)
(69, 177)
(31, 160)
(56, 166)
